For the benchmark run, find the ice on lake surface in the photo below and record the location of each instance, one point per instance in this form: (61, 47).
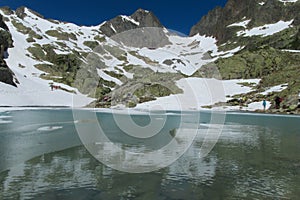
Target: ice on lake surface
(5, 119)
(255, 157)
(49, 128)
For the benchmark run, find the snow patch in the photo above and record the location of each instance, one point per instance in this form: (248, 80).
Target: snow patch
(277, 88)
(49, 128)
(186, 54)
(126, 18)
(226, 54)
(108, 78)
(198, 92)
(242, 24)
(257, 106)
(291, 50)
(5, 121)
(266, 30)
(288, 1)
(113, 28)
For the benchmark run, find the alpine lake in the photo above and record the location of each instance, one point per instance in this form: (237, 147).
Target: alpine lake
(42, 156)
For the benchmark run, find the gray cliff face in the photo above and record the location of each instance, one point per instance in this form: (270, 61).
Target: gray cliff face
(146, 18)
(6, 75)
(146, 32)
(119, 25)
(216, 21)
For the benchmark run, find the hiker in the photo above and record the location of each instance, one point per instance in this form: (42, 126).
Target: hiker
(264, 103)
(278, 100)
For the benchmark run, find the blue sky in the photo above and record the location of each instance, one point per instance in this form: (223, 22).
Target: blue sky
(177, 15)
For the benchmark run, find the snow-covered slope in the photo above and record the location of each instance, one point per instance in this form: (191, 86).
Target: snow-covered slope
(31, 30)
(200, 92)
(33, 90)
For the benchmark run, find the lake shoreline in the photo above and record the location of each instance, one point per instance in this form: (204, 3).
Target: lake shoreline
(269, 111)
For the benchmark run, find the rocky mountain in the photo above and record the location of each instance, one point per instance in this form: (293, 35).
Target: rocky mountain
(135, 61)
(222, 22)
(141, 18)
(6, 75)
(86, 61)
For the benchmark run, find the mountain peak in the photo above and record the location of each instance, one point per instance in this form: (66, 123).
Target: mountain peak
(141, 10)
(146, 18)
(121, 23)
(21, 12)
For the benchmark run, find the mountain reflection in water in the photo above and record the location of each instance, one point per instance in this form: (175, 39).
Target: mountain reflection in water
(257, 156)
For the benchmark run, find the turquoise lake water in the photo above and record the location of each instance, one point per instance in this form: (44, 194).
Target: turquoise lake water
(257, 156)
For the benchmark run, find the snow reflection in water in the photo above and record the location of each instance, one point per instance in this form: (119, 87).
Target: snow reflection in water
(249, 161)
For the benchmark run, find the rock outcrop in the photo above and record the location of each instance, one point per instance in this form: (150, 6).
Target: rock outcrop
(6, 75)
(141, 29)
(141, 18)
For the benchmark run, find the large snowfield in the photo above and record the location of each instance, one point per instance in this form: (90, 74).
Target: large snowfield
(201, 92)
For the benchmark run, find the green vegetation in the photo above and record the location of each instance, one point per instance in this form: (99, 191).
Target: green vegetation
(61, 35)
(35, 35)
(153, 90)
(30, 40)
(247, 84)
(99, 38)
(128, 68)
(272, 66)
(37, 52)
(254, 64)
(145, 86)
(26, 30)
(20, 27)
(114, 74)
(5, 39)
(91, 44)
(101, 91)
(61, 44)
(64, 66)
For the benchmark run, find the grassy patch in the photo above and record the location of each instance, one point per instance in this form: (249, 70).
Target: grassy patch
(61, 35)
(37, 52)
(128, 68)
(30, 40)
(20, 27)
(153, 90)
(35, 35)
(100, 38)
(247, 84)
(114, 74)
(91, 44)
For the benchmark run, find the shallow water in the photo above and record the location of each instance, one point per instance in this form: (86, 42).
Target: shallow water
(256, 157)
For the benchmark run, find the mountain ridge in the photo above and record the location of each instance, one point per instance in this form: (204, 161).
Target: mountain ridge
(150, 61)
(140, 18)
(216, 22)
